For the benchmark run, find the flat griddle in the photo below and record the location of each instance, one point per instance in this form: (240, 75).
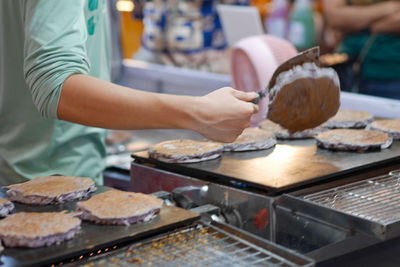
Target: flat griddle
(92, 237)
(288, 165)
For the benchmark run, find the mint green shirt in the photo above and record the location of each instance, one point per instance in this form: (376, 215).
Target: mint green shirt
(42, 43)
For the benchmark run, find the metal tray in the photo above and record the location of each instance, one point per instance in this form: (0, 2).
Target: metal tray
(92, 238)
(371, 206)
(203, 244)
(288, 165)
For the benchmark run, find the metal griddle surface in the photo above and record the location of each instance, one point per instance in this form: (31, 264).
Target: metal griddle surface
(288, 165)
(91, 236)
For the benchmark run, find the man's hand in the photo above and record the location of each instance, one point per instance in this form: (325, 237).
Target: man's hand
(224, 114)
(389, 24)
(221, 115)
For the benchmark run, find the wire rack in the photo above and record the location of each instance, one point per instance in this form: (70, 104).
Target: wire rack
(201, 245)
(376, 199)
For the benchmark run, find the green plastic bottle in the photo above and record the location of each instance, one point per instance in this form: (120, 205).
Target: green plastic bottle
(301, 26)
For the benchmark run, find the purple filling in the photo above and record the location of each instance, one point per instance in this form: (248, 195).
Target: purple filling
(6, 209)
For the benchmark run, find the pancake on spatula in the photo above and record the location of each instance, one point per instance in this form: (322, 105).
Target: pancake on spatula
(353, 140)
(38, 229)
(252, 139)
(6, 206)
(301, 94)
(185, 151)
(51, 189)
(345, 118)
(120, 208)
(391, 127)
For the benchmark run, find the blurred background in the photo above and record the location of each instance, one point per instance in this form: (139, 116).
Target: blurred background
(189, 34)
(359, 38)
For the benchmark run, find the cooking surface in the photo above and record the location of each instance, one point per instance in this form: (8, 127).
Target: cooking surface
(289, 164)
(91, 236)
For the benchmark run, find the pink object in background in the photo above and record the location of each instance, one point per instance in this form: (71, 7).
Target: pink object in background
(254, 60)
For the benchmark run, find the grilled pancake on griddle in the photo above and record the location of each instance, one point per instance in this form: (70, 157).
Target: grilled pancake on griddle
(38, 229)
(269, 125)
(281, 133)
(51, 189)
(120, 208)
(390, 126)
(252, 139)
(305, 134)
(353, 140)
(349, 119)
(185, 151)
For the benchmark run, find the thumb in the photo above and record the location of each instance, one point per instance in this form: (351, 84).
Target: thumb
(244, 95)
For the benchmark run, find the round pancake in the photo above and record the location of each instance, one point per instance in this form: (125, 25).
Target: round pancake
(185, 151)
(391, 127)
(270, 126)
(252, 139)
(51, 189)
(6, 206)
(120, 207)
(353, 140)
(304, 97)
(37, 229)
(283, 134)
(349, 119)
(305, 134)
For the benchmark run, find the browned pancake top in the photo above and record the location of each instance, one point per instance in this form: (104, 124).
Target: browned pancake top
(388, 125)
(3, 201)
(253, 135)
(270, 126)
(351, 115)
(352, 136)
(38, 224)
(52, 185)
(185, 147)
(304, 103)
(119, 204)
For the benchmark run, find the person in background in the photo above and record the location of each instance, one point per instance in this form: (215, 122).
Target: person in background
(55, 98)
(371, 38)
(186, 34)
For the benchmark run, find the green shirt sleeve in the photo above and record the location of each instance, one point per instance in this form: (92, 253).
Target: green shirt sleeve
(54, 49)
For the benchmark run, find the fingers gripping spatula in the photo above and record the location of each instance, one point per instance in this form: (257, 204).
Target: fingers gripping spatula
(302, 96)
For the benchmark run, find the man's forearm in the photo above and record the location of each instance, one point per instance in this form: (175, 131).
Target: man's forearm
(94, 102)
(220, 115)
(390, 24)
(355, 18)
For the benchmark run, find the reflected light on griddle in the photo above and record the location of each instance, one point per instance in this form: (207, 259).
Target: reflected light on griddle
(285, 152)
(285, 165)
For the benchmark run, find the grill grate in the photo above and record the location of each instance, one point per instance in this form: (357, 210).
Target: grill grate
(376, 199)
(201, 245)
